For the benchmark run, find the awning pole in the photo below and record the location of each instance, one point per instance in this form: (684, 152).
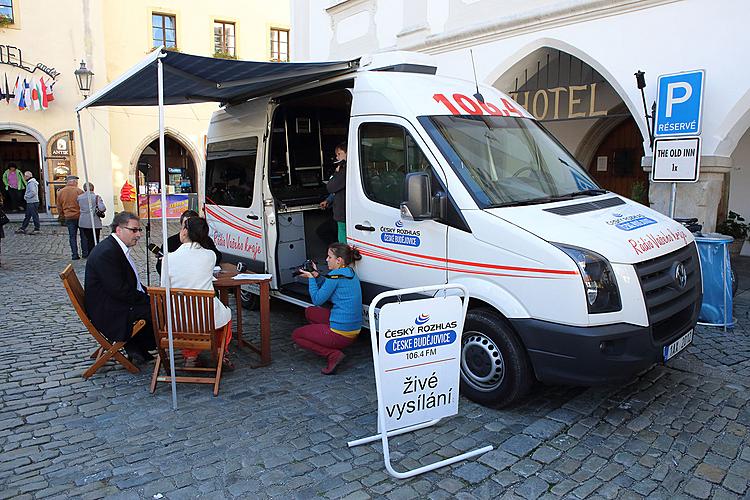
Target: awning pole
(165, 259)
(86, 178)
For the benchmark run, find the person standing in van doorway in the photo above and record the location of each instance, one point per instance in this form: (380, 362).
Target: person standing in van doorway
(337, 192)
(14, 185)
(31, 197)
(69, 210)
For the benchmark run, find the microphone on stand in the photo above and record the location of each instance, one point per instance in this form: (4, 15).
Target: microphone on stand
(143, 167)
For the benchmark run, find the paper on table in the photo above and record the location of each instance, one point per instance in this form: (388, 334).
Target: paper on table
(246, 276)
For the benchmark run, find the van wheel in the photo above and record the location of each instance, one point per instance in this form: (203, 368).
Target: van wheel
(249, 300)
(495, 370)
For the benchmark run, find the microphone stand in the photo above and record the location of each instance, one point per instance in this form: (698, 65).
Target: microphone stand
(148, 235)
(143, 168)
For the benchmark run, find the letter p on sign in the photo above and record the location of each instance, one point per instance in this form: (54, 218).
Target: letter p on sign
(679, 104)
(672, 98)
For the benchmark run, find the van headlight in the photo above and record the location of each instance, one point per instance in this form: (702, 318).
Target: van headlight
(602, 294)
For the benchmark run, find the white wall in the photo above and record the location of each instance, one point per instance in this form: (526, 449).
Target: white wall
(616, 38)
(739, 185)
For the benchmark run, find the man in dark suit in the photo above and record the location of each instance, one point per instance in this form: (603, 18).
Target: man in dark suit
(114, 296)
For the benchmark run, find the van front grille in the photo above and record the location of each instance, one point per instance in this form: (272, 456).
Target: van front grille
(670, 307)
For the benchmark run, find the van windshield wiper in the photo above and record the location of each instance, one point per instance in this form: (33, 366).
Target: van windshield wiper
(520, 203)
(549, 199)
(575, 194)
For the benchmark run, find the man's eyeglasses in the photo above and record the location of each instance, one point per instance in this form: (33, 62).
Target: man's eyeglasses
(134, 229)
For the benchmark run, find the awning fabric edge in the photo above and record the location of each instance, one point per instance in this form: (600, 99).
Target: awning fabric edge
(190, 79)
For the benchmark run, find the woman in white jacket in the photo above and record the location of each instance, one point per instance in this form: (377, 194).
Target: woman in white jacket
(191, 266)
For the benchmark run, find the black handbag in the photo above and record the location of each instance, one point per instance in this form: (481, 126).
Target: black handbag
(3, 218)
(97, 212)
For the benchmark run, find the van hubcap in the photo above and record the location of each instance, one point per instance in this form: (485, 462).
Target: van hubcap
(482, 364)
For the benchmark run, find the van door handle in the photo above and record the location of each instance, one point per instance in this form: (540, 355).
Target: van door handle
(364, 228)
(252, 217)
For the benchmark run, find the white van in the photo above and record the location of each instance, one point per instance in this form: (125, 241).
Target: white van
(569, 283)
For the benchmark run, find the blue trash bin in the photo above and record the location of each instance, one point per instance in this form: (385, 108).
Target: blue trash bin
(713, 250)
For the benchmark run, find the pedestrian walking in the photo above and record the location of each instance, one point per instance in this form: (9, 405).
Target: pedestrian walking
(3, 221)
(31, 197)
(15, 185)
(69, 211)
(90, 203)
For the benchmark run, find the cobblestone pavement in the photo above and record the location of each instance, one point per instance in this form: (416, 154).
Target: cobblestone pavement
(281, 431)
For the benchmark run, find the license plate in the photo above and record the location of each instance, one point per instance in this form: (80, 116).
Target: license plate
(678, 345)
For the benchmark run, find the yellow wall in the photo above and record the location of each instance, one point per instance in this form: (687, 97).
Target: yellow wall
(112, 36)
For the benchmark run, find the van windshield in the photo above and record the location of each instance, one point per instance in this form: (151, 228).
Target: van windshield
(507, 161)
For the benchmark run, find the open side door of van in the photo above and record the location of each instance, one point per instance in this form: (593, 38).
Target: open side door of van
(234, 200)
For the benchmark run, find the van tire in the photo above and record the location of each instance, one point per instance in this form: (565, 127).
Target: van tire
(495, 370)
(249, 300)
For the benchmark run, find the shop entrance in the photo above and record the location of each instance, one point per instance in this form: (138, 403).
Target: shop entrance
(181, 182)
(585, 113)
(24, 151)
(180, 168)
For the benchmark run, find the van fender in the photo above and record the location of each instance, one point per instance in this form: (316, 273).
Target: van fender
(499, 298)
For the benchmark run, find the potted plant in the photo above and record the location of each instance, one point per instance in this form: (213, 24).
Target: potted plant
(736, 227)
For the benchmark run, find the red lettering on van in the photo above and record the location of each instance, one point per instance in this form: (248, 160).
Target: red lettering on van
(472, 106)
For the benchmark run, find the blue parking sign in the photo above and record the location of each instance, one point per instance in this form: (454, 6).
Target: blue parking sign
(678, 104)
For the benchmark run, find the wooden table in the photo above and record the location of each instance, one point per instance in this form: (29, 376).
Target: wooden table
(224, 283)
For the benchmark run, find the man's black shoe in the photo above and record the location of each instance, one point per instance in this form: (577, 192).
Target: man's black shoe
(137, 358)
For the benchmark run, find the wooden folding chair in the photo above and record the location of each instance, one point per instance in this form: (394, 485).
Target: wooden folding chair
(192, 328)
(106, 349)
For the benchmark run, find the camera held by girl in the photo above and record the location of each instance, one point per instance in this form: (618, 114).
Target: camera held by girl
(331, 330)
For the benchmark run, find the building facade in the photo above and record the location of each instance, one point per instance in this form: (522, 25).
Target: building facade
(43, 43)
(572, 65)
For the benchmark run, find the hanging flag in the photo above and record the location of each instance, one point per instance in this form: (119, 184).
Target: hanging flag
(36, 98)
(50, 90)
(7, 90)
(27, 94)
(17, 93)
(45, 101)
(22, 96)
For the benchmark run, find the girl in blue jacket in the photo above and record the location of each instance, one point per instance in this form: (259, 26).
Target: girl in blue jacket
(331, 330)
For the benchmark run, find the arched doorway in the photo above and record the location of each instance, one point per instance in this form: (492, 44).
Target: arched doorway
(181, 179)
(616, 165)
(181, 171)
(574, 101)
(23, 150)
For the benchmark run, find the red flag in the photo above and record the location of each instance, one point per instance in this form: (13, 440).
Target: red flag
(45, 101)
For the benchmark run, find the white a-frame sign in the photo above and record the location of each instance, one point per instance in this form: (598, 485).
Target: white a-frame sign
(416, 350)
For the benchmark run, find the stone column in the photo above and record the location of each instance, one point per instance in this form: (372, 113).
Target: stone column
(705, 199)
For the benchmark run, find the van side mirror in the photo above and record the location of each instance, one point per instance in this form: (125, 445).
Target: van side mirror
(417, 204)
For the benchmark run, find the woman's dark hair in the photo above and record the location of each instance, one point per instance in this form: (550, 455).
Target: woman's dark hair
(197, 231)
(187, 214)
(347, 252)
(341, 146)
